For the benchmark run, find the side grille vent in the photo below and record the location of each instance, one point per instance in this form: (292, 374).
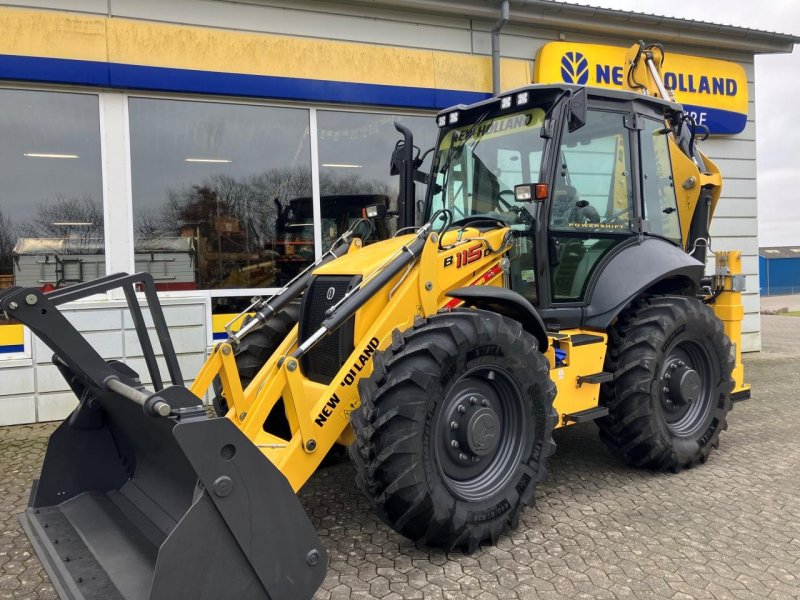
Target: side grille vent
(325, 359)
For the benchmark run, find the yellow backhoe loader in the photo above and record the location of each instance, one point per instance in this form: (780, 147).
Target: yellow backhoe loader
(554, 274)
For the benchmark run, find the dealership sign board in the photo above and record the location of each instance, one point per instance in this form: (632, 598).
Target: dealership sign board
(713, 91)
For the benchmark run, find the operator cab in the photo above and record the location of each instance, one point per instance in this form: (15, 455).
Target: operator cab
(604, 159)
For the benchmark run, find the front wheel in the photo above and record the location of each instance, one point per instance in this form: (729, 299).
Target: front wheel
(670, 397)
(454, 429)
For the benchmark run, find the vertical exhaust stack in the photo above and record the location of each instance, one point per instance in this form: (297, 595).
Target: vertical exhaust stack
(141, 496)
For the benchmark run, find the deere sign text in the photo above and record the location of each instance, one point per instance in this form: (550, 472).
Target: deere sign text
(714, 91)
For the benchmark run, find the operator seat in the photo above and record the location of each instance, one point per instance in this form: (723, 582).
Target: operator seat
(569, 213)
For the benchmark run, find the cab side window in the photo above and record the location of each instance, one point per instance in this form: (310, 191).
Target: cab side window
(658, 187)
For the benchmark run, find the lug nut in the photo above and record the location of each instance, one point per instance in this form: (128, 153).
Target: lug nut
(673, 366)
(461, 409)
(473, 400)
(484, 402)
(668, 376)
(463, 456)
(454, 444)
(665, 389)
(453, 425)
(475, 459)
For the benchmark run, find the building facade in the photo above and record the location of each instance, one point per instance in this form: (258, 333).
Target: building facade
(221, 145)
(779, 270)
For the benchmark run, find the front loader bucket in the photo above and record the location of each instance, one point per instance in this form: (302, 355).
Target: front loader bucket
(141, 496)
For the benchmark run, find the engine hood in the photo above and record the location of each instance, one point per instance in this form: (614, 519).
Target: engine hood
(363, 261)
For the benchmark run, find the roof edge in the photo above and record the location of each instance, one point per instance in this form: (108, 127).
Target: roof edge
(626, 24)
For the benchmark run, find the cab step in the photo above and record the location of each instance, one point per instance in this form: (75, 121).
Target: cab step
(583, 416)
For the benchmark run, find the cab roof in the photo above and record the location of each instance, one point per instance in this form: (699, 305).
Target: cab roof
(558, 88)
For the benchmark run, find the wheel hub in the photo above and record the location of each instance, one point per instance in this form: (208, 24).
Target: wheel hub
(682, 384)
(483, 431)
(474, 428)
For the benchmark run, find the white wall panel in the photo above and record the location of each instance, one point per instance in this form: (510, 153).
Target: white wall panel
(184, 340)
(188, 312)
(16, 410)
(56, 407)
(16, 381)
(751, 342)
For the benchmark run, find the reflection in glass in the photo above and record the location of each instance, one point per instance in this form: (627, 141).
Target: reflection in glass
(354, 154)
(211, 183)
(51, 206)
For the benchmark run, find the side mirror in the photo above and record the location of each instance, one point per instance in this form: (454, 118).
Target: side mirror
(577, 110)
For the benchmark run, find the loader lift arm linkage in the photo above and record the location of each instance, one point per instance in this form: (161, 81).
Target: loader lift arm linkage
(442, 357)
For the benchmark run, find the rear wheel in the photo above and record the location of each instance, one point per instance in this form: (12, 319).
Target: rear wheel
(454, 429)
(670, 398)
(255, 350)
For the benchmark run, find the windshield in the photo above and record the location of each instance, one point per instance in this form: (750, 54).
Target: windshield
(478, 165)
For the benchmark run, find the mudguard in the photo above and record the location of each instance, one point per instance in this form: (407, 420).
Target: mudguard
(632, 270)
(506, 302)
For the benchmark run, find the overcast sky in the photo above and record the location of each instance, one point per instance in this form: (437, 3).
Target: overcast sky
(777, 91)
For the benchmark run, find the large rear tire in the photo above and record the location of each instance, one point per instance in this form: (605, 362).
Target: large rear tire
(455, 428)
(255, 350)
(670, 397)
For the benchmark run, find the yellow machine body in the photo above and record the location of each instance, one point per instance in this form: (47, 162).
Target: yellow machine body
(318, 414)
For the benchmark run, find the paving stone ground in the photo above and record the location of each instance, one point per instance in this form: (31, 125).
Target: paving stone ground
(729, 529)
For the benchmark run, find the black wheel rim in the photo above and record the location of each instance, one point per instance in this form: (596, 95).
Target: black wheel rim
(686, 388)
(480, 432)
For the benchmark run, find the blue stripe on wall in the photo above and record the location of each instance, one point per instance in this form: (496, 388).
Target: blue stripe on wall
(10, 349)
(718, 120)
(53, 70)
(115, 75)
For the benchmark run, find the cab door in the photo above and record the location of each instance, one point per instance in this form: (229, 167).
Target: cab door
(592, 203)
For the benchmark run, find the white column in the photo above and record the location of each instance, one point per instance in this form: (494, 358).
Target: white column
(315, 201)
(116, 182)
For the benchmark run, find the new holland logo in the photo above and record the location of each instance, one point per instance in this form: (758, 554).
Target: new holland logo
(574, 68)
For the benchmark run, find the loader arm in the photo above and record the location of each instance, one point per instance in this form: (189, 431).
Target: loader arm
(411, 284)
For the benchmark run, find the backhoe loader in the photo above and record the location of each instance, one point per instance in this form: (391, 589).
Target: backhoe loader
(554, 274)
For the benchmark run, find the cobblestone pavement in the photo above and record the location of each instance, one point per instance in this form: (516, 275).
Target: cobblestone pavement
(729, 529)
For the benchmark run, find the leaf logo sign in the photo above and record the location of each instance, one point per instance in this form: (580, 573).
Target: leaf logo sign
(574, 68)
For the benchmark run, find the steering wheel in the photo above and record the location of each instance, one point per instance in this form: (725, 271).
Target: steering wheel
(611, 217)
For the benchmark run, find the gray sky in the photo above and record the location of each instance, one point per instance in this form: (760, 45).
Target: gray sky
(777, 90)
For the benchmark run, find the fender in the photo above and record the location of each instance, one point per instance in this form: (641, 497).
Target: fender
(507, 303)
(632, 270)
